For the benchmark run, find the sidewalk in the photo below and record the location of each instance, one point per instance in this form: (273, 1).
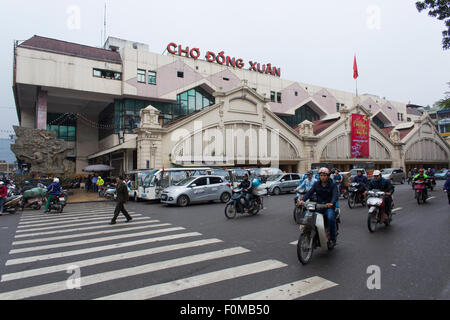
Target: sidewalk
(80, 196)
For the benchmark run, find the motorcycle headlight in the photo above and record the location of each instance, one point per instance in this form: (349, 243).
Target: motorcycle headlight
(374, 201)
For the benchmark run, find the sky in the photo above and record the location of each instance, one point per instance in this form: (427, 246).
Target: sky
(398, 49)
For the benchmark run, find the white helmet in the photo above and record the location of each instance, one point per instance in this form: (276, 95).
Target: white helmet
(2, 183)
(324, 170)
(377, 173)
(56, 180)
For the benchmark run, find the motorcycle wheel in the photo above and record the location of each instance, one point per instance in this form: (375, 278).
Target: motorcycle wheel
(255, 209)
(297, 213)
(419, 198)
(230, 211)
(372, 222)
(304, 248)
(37, 207)
(346, 195)
(352, 201)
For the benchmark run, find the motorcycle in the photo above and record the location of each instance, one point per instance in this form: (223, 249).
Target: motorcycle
(355, 196)
(344, 192)
(12, 204)
(33, 203)
(315, 231)
(57, 203)
(237, 203)
(432, 182)
(420, 191)
(298, 210)
(377, 210)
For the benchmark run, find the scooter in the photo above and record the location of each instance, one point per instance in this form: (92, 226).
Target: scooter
(420, 191)
(33, 203)
(57, 203)
(237, 203)
(315, 231)
(376, 202)
(355, 196)
(298, 210)
(12, 204)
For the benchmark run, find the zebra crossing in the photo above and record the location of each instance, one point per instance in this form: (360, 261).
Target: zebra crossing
(124, 257)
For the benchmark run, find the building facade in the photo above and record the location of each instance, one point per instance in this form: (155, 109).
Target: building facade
(127, 107)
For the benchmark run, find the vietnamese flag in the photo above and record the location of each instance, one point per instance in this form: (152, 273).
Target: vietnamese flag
(355, 70)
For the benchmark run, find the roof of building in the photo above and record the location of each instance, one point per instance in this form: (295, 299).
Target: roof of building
(413, 111)
(322, 125)
(71, 49)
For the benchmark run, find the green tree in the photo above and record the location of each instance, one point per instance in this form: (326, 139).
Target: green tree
(444, 104)
(439, 9)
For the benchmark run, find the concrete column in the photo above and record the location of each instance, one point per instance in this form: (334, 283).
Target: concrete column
(41, 110)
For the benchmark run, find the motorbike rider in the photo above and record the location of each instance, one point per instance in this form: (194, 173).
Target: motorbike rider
(306, 184)
(362, 180)
(447, 187)
(55, 190)
(246, 187)
(3, 195)
(422, 176)
(327, 193)
(380, 183)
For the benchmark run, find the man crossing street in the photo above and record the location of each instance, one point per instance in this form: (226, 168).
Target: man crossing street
(122, 199)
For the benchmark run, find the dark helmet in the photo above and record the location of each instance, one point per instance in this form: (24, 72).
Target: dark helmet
(309, 173)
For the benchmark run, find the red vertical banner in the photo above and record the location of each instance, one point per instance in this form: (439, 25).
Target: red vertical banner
(360, 136)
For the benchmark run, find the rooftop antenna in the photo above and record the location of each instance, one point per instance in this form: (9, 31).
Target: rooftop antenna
(104, 27)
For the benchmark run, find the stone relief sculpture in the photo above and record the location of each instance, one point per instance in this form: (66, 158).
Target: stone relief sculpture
(43, 151)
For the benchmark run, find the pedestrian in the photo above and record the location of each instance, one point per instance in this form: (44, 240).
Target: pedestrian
(447, 188)
(88, 183)
(100, 184)
(122, 199)
(3, 195)
(94, 183)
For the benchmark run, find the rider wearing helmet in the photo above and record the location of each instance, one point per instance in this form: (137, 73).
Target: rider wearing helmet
(422, 176)
(246, 187)
(327, 193)
(55, 190)
(380, 183)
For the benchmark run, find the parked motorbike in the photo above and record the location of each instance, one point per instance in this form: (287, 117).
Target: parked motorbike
(315, 231)
(12, 204)
(57, 203)
(355, 195)
(377, 210)
(420, 191)
(237, 203)
(109, 192)
(33, 203)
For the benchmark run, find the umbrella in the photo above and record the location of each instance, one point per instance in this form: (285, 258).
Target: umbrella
(98, 168)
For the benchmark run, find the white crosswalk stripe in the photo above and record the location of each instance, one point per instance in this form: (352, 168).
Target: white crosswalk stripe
(43, 243)
(291, 291)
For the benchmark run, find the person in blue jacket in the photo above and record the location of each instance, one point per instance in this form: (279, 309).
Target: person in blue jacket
(447, 187)
(54, 190)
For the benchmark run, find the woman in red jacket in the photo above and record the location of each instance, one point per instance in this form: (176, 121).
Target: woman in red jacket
(3, 195)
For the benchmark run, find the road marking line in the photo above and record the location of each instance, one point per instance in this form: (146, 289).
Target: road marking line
(66, 213)
(292, 290)
(397, 209)
(122, 273)
(433, 197)
(81, 223)
(136, 221)
(83, 242)
(196, 281)
(81, 235)
(99, 249)
(70, 222)
(59, 219)
(294, 243)
(116, 257)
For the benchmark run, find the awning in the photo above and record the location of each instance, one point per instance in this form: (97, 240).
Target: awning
(129, 145)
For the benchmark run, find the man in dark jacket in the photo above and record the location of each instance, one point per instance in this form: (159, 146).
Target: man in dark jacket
(327, 193)
(447, 187)
(122, 199)
(379, 183)
(246, 187)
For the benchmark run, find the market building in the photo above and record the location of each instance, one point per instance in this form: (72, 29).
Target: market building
(127, 107)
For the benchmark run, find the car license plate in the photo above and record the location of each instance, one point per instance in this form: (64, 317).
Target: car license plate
(144, 195)
(62, 199)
